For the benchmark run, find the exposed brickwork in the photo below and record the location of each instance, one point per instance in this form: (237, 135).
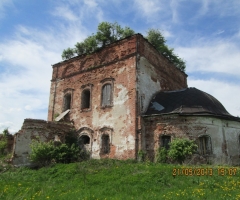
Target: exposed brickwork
(171, 78)
(119, 64)
(108, 55)
(193, 127)
(104, 96)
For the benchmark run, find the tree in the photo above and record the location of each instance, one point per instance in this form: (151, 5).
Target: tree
(90, 44)
(68, 53)
(127, 32)
(181, 148)
(157, 40)
(104, 33)
(80, 48)
(155, 37)
(117, 31)
(111, 32)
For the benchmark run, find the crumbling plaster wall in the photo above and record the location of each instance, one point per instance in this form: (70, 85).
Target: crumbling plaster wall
(224, 135)
(155, 73)
(35, 129)
(116, 63)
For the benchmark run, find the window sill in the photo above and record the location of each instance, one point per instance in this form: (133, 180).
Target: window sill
(86, 110)
(110, 106)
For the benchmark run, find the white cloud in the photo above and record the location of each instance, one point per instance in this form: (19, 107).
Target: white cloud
(65, 13)
(91, 3)
(226, 93)
(219, 7)
(26, 78)
(28, 107)
(80, 11)
(6, 124)
(26, 59)
(215, 56)
(174, 9)
(149, 9)
(4, 4)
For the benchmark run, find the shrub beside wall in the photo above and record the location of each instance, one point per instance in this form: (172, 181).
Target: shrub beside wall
(179, 150)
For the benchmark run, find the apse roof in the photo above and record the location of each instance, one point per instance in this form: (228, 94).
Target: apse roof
(186, 101)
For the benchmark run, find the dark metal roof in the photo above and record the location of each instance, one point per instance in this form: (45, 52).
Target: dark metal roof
(186, 101)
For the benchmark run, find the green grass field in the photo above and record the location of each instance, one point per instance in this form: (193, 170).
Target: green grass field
(114, 179)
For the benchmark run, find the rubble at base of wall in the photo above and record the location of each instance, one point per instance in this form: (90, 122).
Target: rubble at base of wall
(32, 129)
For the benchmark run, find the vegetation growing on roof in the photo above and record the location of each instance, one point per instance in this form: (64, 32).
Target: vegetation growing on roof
(111, 32)
(106, 34)
(155, 37)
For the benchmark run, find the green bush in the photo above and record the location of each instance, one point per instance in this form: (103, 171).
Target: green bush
(181, 148)
(41, 152)
(3, 141)
(161, 155)
(45, 153)
(3, 145)
(141, 155)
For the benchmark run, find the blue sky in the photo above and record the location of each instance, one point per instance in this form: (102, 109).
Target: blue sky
(33, 34)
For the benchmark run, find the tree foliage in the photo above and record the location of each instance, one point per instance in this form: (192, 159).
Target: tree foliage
(3, 141)
(181, 148)
(3, 145)
(155, 37)
(45, 153)
(111, 32)
(106, 34)
(161, 155)
(41, 152)
(68, 53)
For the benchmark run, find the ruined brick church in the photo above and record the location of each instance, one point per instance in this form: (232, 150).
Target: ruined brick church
(127, 97)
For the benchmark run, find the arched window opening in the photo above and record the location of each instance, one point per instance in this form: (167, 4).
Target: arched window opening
(85, 99)
(165, 141)
(67, 102)
(105, 144)
(204, 145)
(84, 143)
(84, 139)
(107, 95)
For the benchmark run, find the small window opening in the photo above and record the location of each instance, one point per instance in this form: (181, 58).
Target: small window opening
(105, 144)
(84, 140)
(107, 95)
(85, 99)
(67, 102)
(165, 141)
(204, 145)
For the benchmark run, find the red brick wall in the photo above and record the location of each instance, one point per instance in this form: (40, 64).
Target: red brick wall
(170, 77)
(115, 62)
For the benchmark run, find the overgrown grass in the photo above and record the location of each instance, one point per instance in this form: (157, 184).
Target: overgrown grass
(114, 179)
